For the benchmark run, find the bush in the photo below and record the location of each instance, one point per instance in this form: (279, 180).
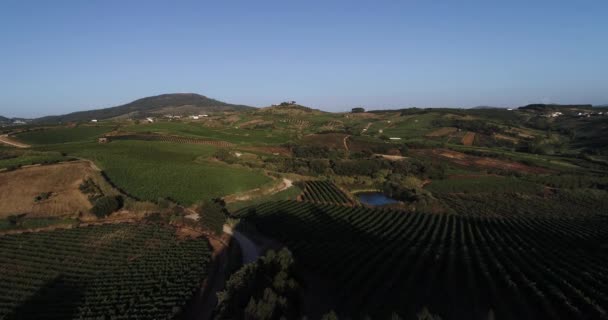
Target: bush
(212, 215)
(15, 219)
(105, 205)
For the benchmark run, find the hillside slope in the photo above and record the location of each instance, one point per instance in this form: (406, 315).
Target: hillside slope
(175, 104)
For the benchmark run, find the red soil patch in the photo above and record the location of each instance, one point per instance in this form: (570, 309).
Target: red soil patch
(330, 140)
(475, 161)
(468, 138)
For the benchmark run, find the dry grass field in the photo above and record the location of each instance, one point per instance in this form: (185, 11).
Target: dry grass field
(441, 132)
(19, 189)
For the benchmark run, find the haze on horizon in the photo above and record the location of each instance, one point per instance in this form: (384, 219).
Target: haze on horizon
(64, 56)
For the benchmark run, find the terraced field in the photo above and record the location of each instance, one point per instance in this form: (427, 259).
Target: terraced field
(98, 272)
(458, 267)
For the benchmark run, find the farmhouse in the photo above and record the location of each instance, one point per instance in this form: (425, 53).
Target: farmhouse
(394, 138)
(94, 120)
(150, 120)
(194, 117)
(103, 140)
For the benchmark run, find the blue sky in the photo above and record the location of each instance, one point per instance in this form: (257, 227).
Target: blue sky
(63, 56)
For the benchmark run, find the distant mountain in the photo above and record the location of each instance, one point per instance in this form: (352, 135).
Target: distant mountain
(4, 119)
(174, 104)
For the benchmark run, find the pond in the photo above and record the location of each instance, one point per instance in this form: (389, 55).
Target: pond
(375, 198)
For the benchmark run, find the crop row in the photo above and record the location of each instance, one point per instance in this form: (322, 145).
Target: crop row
(460, 267)
(120, 271)
(324, 192)
(175, 139)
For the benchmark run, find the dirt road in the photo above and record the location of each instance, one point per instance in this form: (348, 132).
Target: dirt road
(345, 144)
(7, 140)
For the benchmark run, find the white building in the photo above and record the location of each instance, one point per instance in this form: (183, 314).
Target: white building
(150, 120)
(94, 120)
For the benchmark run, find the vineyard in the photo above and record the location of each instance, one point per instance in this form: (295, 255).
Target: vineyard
(175, 139)
(324, 192)
(99, 272)
(458, 267)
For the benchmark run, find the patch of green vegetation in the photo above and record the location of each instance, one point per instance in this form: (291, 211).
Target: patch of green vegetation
(483, 185)
(152, 170)
(411, 126)
(22, 158)
(63, 135)
(33, 223)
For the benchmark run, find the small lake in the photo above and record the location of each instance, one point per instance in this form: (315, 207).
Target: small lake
(375, 198)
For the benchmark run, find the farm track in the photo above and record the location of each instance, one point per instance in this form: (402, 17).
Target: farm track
(5, 139)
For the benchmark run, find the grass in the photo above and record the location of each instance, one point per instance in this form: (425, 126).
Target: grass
(63, 135)
(32, 223)
(31, 157)
(152, 170)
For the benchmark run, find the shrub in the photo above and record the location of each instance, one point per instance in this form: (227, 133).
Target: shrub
(105, 205)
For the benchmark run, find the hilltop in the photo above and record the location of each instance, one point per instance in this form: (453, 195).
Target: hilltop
(289, 108)
(175, 104)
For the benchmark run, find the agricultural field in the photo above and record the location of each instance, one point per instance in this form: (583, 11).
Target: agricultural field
(63, 135)
(324, 192)
(12, 159)
(483, 184)
(135, 271)
(149, 170)
(46, 191)
(458, 267)
(227, 133)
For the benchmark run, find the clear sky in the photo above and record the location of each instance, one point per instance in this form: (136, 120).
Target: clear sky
(62, 56)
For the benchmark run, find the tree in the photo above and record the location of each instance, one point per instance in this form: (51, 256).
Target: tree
(212, 215)
(357, 110)
(105, 205)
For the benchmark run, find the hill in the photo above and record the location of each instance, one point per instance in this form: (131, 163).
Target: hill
(287, 108)
(4, 119)
(174, 104)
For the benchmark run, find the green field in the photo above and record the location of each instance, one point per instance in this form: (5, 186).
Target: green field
(152, 170)
(16, 158)
(227, 133)
(63, 135)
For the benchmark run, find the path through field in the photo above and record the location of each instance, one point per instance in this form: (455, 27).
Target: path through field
(7, 140)
(345, 144)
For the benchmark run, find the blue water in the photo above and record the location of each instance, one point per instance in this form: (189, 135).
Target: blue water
(375, 198)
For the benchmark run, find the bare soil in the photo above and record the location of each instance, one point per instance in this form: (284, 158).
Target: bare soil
(480, 162)
(19, 188)
(441, 132)
(468, 138)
